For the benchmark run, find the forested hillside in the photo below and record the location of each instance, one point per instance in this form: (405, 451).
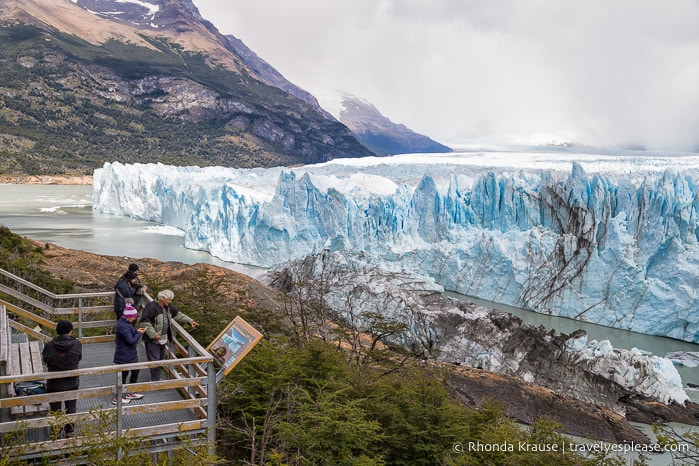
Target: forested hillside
(68, 106)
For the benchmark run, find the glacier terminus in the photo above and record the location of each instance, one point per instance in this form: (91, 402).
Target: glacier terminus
(608, 238)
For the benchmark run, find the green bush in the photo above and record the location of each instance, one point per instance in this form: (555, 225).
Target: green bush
(289, 405)
(20, 257)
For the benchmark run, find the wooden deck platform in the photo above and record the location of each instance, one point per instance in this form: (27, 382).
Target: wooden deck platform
(179, 411)
(173, 410)
(98, 355)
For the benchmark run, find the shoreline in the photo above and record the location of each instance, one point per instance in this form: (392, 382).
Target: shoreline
(76, 180)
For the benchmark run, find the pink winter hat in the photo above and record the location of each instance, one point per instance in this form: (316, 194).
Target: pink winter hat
(130, 311)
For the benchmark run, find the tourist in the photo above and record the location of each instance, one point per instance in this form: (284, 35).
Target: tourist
(63, 353)
(139, 295)
(126, 351)
(156, 318)
(124, 291)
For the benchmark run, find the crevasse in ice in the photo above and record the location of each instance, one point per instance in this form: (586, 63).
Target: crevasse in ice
(606, 239)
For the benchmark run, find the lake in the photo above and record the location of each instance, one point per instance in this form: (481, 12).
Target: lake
(63, 215)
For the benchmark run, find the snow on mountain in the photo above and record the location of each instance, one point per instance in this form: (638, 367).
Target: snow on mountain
(605, 238)
(375, 130)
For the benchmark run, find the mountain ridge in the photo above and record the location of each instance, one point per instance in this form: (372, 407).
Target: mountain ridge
(271, 75)
(79, 90)
(141, 55)
(84, 19)
(379, 133)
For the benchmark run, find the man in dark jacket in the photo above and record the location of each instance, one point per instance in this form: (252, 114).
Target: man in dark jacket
(125, 292)
(139, 295)
(63, 353)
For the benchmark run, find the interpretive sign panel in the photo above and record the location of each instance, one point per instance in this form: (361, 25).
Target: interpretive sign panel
(233, 343)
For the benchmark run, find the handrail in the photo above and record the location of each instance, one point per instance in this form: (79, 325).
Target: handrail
(25, 298)
(190, 366)
(53, 295)
(26, 283)
(4, 336)
(4, 350)
(29, 315)
(103, 370)
(191, 342)
(41, 449)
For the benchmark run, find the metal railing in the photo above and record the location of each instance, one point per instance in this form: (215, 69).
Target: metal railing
(189, 366)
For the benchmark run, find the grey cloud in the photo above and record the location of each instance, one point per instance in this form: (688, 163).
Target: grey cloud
(600, 72)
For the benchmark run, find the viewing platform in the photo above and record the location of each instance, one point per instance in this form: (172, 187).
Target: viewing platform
(176, 413)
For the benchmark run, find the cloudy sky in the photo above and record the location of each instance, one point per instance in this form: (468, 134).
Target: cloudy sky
(597, 72)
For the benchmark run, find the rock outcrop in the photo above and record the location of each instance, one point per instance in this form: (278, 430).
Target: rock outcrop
(467, 335)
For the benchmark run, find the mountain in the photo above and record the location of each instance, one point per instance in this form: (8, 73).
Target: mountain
(374, 130)
(271, 75)
(617, 247)
(380, 134)
(85, 82)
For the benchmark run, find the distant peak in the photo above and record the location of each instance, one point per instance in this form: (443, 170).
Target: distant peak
(373, 129)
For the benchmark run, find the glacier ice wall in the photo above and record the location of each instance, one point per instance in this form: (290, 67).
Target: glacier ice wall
(617, 247)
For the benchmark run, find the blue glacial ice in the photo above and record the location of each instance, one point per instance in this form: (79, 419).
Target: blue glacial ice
(609, 239)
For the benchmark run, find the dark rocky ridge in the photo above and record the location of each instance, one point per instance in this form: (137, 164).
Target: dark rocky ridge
(271, 75)
(527, 402)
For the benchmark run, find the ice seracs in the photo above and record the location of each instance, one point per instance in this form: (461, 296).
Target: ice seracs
(609, 239)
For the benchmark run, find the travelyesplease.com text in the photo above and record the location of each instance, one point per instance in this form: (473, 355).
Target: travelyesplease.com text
(563, 447)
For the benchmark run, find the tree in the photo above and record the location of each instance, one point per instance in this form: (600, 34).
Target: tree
(683, 446)
(327, 427)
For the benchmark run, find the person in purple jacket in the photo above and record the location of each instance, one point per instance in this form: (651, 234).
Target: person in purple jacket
(126, 351)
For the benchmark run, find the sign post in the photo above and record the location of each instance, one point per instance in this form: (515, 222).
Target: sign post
(232, 344)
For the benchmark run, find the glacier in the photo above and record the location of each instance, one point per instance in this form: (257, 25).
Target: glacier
(415, 314)
(605, 238)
